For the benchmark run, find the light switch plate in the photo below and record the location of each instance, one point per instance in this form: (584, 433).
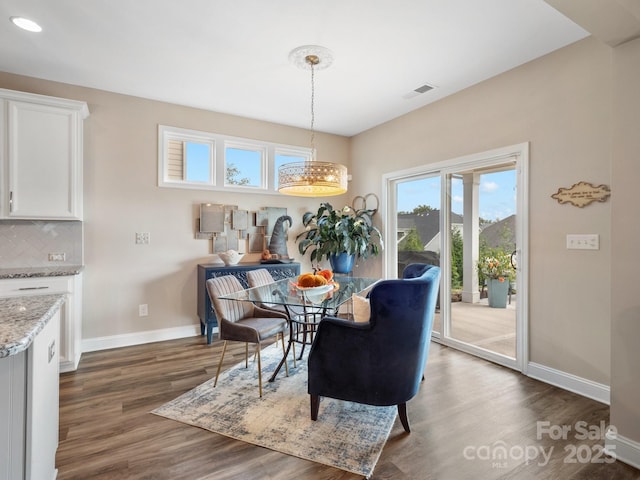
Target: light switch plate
(590, 241)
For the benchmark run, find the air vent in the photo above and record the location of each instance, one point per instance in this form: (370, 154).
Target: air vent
(421, 89)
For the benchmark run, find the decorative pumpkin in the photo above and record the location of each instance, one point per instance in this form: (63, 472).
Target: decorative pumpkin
(307, 280)
(266, 255)
(320, 280)
(328, 274)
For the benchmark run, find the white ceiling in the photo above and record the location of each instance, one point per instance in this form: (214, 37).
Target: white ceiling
(232, 56)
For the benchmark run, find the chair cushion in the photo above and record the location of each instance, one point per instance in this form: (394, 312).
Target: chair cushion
(265, 327)
(361, 308)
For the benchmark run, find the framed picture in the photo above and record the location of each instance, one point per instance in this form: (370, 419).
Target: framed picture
(220, 243)
(211, 218)
(239, 219)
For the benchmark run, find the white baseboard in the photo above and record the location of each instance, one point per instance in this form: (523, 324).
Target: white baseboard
(567, 381)
(623, 449)
(138, 338)
(68, 366)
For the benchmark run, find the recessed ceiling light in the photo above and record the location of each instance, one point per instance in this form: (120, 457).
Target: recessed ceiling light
(26, 24)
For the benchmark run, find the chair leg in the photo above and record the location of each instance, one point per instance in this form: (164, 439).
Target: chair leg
(284, 352)
(246, 355)
(315, 406)
(402, 413)
(292, 341)
(224, 349)
(259, 369)
(293, 346)
(304, 340)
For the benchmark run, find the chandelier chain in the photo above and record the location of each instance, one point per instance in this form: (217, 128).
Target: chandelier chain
(313, 115)
(311, 178)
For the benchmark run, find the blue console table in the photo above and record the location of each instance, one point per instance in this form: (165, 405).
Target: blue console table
(212, 270)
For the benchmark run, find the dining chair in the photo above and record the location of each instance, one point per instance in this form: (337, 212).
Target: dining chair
(242, 321)
(302, 320)
(261, 277)
(380, 362)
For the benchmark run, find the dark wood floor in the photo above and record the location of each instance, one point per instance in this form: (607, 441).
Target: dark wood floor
(467, 409)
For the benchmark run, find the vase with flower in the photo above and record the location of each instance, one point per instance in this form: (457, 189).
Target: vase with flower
(498, 273)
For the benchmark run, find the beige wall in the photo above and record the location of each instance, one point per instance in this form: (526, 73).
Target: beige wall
(121, 197)
(561, 103)
(625, 318)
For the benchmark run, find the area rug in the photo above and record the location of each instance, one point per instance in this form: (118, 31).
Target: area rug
(347, 435)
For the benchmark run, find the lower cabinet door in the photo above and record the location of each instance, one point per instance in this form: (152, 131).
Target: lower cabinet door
(13, 372)
(43, 403)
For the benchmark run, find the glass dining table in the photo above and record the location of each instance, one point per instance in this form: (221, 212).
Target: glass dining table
(305, 307)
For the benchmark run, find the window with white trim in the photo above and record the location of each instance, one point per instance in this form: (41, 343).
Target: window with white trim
(208, 161)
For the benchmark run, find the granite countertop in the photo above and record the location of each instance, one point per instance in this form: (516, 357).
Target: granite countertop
(22, 318)
(32, 272)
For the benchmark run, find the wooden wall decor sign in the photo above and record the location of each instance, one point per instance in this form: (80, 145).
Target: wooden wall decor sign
(582, 194)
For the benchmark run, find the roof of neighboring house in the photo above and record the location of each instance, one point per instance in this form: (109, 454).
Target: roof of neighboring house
(501, 233)
(427, 224)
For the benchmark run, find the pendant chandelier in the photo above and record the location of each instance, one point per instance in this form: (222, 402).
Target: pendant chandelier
(312, 178)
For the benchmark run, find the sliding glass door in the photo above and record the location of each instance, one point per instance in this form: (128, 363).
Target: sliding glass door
(467, 216)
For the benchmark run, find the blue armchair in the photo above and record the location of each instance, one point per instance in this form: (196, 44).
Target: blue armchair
(380, 362)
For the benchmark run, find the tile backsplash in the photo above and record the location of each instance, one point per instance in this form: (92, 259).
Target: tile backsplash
(28, 243)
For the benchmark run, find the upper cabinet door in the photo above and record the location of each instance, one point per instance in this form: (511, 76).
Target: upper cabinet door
(45, 170)
(40, 156)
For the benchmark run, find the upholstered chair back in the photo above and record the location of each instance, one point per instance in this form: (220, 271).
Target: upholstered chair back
(380, 362)
(228, 310)
(259, 277)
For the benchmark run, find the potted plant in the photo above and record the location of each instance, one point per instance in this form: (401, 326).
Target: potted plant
(339, 235)
(498, 273)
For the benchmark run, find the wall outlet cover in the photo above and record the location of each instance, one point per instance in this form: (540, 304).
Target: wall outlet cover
(143, 238)
(590, 241)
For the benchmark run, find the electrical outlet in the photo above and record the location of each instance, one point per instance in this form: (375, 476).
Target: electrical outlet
(143, 310)
(57, 257)
(143, 238)
(583, 241)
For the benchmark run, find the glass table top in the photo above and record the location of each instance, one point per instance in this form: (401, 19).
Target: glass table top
(286, 292)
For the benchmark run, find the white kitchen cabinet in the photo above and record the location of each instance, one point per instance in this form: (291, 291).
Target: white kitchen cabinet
(71, 311)
(41, 156)
(29, 408)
